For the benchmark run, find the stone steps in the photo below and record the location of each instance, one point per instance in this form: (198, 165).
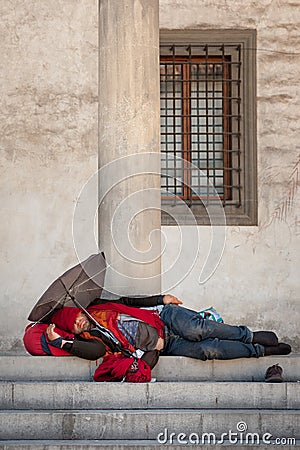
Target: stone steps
(159, 395)
(51, 404)
(126, 444)
(143, 424)
(169, 368)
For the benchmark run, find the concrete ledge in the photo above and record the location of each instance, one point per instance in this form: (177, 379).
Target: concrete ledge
(169, 368)
(174, 368)
(159, 395)
(53, 395)
(142, 424)
(119, 445)
(25, 368)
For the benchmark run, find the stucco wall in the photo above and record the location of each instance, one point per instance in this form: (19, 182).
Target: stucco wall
(48, 138)
(48, 119)
(257, 280)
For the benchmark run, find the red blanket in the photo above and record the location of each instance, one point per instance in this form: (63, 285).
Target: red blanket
(116, 367)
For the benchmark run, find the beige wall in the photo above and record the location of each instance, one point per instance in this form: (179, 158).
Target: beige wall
(257, 281)
(48, 119)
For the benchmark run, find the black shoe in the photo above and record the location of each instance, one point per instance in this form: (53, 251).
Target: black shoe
(280, 349)
(267, 338)
(274, 374)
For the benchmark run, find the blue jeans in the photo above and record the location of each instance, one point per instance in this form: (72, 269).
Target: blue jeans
(188, 334)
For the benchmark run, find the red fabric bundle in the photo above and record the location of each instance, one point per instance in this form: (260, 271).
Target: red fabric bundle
(32, 340)
(65, 317)
(142, 375)
(116, 367)
(149, 316)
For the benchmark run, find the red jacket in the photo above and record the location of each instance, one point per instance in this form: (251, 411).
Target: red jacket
(107, 315)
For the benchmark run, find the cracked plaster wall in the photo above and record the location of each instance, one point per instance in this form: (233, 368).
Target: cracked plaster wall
(48, 120)
(48, 144)
(257, 280)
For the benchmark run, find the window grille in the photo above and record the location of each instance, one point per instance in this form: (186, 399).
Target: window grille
(201, 123)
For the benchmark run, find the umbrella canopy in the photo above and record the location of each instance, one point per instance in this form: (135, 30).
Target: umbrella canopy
(80, 285)
(84, 282)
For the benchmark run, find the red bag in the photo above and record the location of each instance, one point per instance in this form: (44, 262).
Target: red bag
(32, 340)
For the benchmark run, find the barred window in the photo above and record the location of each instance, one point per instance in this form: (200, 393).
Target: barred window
(206, 148)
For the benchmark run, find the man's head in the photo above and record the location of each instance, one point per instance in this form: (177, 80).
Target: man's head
(81, 323)
(71, 320)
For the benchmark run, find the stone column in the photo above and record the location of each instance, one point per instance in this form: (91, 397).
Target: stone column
(129, 158)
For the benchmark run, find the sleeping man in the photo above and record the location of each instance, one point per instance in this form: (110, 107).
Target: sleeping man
(147, 327)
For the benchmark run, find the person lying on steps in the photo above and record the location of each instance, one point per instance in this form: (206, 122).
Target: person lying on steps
(154, 326)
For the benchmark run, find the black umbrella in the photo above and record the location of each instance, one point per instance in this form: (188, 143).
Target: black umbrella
(84, 282)
(79, 285)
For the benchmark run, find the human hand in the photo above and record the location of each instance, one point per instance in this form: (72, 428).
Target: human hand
(160, 344)
(51, 334)
(168, 298)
